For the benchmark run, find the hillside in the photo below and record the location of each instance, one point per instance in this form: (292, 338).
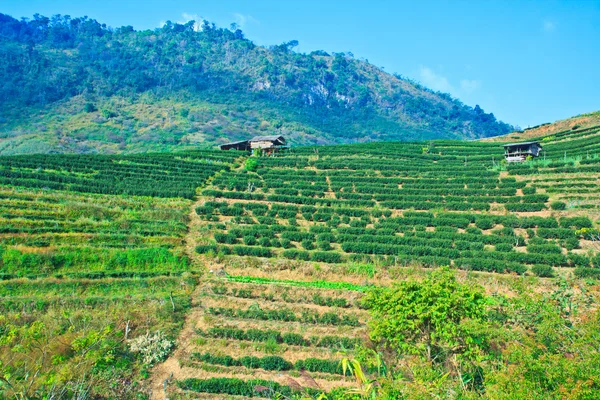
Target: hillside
(563, 127)
(198, 274)
(75, 85)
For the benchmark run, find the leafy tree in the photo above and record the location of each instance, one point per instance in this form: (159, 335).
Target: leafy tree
(251, 164)
(427, 318)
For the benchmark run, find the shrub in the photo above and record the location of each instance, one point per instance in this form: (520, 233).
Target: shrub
(324, 245)
(504, 247)
(264, 242)
(544, 249)
(558, 205)
(226, 238)
(203, 249)
(320, 365)
(296, 254)
(251, 164)
(578, 260)
(570, 243)
(582, 272)
(484, 223)
(249, 240)
(326, 256)
(406, 317)
(269, 363)
(543, 271)
(152, 347)
(575, 222)
(294, 339)
(307, 244)
(524, 207)
(252, 251)
(516, 267)
(239, 387)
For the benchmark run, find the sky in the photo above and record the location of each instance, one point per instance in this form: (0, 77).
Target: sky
(528, 62)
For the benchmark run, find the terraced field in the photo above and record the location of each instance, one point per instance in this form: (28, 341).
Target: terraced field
(201, 275)
(83, 274)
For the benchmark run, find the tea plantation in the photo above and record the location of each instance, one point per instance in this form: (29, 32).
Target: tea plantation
(201, 274)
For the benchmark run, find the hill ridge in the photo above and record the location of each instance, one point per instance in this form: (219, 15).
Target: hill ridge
(74, 85)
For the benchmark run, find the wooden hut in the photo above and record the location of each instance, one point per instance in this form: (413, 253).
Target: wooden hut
(243, 145)
(268, 144)
(518, 152)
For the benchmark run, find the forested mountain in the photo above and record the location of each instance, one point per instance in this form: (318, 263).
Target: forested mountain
(76, 85)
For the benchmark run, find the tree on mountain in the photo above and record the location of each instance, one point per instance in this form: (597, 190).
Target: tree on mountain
(430, 318)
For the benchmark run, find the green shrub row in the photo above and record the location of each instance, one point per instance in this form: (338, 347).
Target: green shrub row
(293, 339)
(282, 314)
(239, 387)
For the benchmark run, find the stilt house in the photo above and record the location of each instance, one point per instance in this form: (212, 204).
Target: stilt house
(268, 144)
(518, 152)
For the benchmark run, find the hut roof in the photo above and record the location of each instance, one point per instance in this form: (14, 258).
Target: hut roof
(522, 144)
(240, 145)
(269, 138)
(235, 143)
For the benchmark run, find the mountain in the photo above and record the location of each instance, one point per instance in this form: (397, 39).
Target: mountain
(76, 85)
(564, 126)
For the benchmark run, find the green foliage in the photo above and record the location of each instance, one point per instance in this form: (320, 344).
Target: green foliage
(269, 363)
(157, 175)
(235, 386)
(293, 339)
(428, 317)
(251, 164)
(185, 88)
(558, 205)
(543, 271)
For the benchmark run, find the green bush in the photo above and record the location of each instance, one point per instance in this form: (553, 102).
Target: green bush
(239, 387)
(249, 240)
(543, 271)
(583, 272)
(504, 247)
(294, 254)
(326, 256)
(307, 244)
(578, 260)
(226, 238)
(251, 164)
(252, 251)
(558, 205)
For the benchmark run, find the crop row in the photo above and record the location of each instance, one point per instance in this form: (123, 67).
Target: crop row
(283, 314)
(292, 339)
(239, 387)
(273, 363)
(177, 175)
(316, 298)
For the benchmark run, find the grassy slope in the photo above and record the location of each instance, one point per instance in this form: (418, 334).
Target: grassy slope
(578, 122)
(155, 123)
(55, 302)
(173, 87)
(267, 279)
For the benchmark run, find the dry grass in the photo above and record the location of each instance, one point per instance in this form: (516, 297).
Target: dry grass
(583, 121)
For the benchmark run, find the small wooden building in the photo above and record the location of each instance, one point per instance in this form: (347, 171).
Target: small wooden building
(268, 144)
(518, 152)
(243, 145)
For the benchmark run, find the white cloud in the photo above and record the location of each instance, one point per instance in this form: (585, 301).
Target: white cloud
(469, 85)
(243, 20)
(549, 26)
(435, 81)
(185, 18)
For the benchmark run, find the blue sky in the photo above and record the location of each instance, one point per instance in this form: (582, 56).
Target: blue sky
(528, 62)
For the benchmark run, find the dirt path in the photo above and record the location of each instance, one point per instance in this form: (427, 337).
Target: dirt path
(170, 370)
